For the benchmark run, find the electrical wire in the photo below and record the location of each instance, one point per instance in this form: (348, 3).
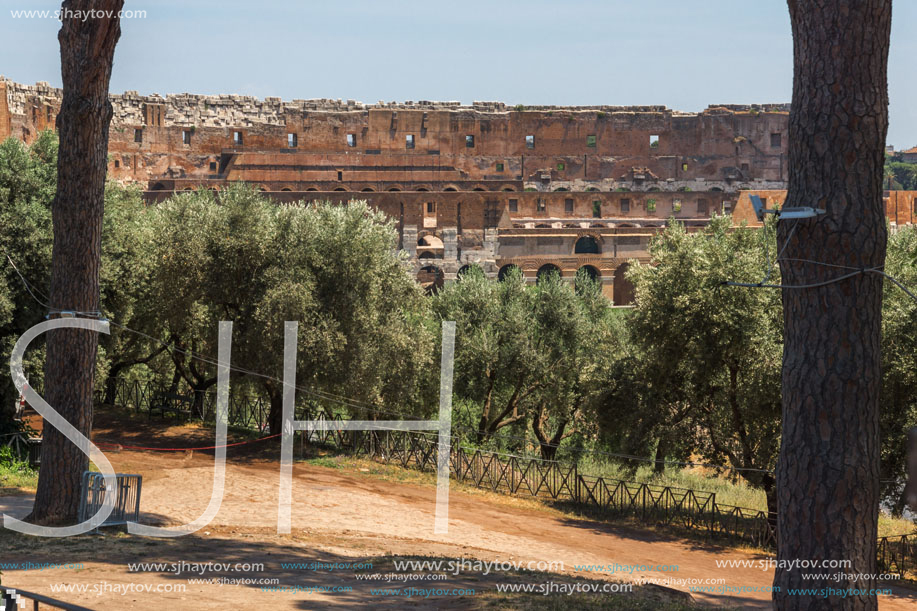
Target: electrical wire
(26, 283)
(797, 286)
(29, 287)
(782, 250)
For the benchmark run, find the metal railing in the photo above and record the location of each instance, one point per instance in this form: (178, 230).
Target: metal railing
(557, 482)
(11, 599)
(127, 498)
(898, 555)
(244, 410)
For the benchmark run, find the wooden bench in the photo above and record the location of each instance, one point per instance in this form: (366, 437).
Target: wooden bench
(173, 403)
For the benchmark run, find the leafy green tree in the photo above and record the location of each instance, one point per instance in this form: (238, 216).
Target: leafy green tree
(529, 354)
(126, 272)
(574, 339)
(496, 360)
(365, 330)
(701, 374)
(899, 363)
(238, 256)
(182, 285)
(28, 177)
(900, 175)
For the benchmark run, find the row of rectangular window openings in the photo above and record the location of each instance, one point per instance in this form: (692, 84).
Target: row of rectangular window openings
(236, 137)
(597, 206)
(293, 140)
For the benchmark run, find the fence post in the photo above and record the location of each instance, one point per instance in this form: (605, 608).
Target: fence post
(643, 502)
(713, 512)
(576, 482)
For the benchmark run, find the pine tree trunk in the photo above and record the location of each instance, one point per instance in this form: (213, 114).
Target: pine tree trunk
(828, 471)
(87, 50)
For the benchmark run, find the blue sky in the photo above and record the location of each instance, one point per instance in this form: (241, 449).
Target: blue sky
(680, 53)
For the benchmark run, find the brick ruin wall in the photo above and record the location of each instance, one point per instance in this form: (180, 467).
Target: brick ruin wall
(728, 147)
(485, 184)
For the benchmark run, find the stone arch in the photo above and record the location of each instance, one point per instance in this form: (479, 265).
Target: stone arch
(426, 254)
(430, 240)
(451, 188)
(560, 189)
(340, 188)
(592, 270)
(467, 268)
(509, 189)
(623, 292)
(587, 245)
(545, 270)
(288, 189)
(313, 188)
(367, 190)
(158, 187)
(506, 270)
(479, 188)
(423, 189)
(394, 189)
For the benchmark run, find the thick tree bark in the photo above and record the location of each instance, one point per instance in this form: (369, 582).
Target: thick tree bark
(828, 471)
(547, 445)
(661, 449)
(114, 373)
(275, 415)
(87, 51)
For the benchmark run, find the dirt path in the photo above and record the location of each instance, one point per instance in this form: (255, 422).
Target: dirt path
(341, 516)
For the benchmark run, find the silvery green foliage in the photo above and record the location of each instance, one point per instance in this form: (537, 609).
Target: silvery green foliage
(701, 373)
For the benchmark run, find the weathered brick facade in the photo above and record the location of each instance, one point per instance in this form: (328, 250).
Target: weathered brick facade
(485, 184)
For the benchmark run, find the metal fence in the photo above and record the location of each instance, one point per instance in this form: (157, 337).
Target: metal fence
(249, 411)
(898, 555)
(127, 498)
(563, 483)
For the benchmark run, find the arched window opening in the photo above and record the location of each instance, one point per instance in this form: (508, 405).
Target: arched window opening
(546, 271)
(586, 245)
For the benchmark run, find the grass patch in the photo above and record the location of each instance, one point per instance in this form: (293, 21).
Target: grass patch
(16, 477)
(728, 492)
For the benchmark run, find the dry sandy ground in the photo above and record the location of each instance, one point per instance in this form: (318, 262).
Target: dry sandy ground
(342, 516)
